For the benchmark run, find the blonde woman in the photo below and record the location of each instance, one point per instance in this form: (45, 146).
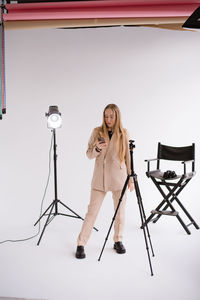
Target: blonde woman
(109, 146)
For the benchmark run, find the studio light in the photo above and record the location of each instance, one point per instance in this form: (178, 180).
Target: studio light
(54, 119)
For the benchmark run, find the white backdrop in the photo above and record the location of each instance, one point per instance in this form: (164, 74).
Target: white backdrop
(151, 74)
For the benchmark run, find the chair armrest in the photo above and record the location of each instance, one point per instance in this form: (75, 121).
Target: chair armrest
(148, 163)
(148, 160)
(188, 161)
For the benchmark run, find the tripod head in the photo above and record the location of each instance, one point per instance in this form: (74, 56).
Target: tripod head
(131, 145)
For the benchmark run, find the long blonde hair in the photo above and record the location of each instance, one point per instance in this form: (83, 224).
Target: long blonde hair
(120, 133)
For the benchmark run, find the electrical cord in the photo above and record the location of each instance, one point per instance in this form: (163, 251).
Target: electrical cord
(41, 207)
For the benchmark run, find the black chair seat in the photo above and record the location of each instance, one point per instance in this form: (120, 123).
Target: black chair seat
(159, 175)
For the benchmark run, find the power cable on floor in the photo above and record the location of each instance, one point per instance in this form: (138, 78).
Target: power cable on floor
(41, 207)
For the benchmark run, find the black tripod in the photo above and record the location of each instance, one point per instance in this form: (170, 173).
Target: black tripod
(53, 207)
(141, 209)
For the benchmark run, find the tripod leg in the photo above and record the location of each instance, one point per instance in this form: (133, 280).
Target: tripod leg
(152, 215)
(146, 242)
(148, 233)
(44, 213)
(46, 223)
(113, 219)
(144, 227)
(76, 215)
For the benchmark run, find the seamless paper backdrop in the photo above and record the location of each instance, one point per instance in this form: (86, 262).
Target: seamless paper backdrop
(151, 74)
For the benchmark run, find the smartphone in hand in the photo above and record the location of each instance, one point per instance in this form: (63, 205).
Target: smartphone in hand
(101, 140)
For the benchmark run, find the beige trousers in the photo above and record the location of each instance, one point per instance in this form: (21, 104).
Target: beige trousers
(96, 199)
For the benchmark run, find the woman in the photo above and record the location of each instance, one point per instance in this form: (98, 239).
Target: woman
(109, 145)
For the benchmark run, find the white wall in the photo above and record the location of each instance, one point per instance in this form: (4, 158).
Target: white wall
(151, 74)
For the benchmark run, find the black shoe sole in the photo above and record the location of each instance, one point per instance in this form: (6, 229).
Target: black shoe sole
(119, 251)
(80, 257)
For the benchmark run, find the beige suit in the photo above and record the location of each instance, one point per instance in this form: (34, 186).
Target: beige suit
(109, 175)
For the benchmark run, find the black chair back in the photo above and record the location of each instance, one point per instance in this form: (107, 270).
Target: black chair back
(176, 153)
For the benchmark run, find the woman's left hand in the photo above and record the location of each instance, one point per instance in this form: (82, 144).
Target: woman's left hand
(131, 186)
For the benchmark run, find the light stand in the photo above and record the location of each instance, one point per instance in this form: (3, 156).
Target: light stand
(54, 121)
(141, 209)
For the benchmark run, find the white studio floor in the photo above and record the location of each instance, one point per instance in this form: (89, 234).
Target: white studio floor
(50, 270)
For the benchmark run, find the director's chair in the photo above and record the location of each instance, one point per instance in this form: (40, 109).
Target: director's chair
(173, 183)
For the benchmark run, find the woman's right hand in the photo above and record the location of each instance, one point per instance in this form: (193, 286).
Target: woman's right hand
(101, 145)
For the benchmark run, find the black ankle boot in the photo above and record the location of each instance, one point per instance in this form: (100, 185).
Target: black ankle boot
(119, 247)
(80, 253)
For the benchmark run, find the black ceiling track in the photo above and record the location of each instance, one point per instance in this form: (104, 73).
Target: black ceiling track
(194, 20)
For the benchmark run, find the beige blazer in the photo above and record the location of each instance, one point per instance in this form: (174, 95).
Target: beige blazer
(109, 174)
